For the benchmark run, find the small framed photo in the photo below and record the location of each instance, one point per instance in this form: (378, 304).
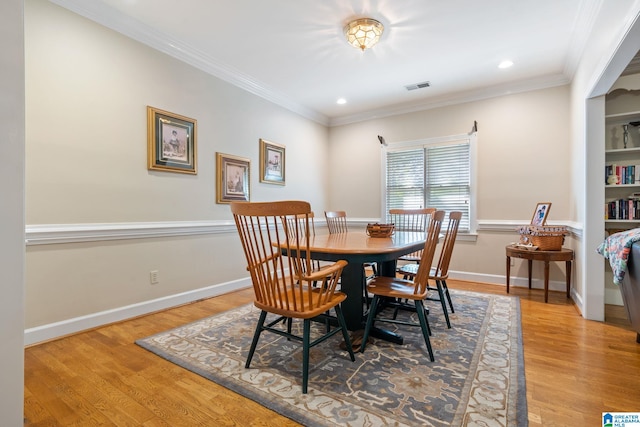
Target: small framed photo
(272, 162)
(541, 213)
(233, 178)
(171, 142)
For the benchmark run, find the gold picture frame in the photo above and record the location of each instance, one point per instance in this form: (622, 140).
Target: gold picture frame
(233, 178)
(272, 162)
(171, 142)
(541, 213)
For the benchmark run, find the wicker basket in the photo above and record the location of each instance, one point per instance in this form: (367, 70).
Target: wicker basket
(547, 243)
(546, 238)
(380, 230)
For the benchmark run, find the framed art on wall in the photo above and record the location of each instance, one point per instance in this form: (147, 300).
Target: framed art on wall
(171, 142)
(272, 162)
(541, 213)
(233, 181)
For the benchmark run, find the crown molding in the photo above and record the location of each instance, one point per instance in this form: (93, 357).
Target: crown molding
(521, 86)
(136, 30)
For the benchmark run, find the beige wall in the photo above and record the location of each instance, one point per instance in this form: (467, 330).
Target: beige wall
(522, 144)
(87, 88)
(522, 159)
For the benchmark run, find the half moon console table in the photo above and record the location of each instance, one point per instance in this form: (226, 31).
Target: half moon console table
(545, 256)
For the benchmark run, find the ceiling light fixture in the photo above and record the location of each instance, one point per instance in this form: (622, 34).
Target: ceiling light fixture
(363, 33)
(505, 64)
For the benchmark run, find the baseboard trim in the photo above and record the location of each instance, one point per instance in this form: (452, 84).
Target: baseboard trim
(495, 279)
(71, 326)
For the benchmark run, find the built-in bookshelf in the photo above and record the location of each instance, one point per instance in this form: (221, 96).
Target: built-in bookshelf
(621, 176)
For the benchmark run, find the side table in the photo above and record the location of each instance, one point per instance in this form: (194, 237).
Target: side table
(546, 256)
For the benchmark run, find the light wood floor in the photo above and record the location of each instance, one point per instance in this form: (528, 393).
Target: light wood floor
(575, 370)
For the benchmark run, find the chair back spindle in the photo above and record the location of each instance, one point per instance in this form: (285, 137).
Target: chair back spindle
(336, 221)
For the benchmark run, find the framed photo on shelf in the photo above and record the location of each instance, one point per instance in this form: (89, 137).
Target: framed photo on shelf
(171, 142)
(272, 162)
(541, 213)
(233, 180)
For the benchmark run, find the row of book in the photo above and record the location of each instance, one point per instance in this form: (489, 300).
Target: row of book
(621, 174)
(622, 209)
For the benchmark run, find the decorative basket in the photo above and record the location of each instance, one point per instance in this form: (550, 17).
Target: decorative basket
(380, 230)
(546, 237)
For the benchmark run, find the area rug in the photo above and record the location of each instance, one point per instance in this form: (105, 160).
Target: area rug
(476, 379)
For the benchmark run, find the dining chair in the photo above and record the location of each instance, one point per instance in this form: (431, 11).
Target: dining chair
(415, 290)
(440, 273)
(279, 263)
(337, 223)
(411, 220)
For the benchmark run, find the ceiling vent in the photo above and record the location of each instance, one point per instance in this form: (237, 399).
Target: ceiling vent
(418, 86)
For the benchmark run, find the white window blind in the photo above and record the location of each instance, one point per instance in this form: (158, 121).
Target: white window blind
(435, 175)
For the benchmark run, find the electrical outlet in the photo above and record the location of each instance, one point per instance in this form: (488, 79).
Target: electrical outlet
(513, 262)
(153, 277)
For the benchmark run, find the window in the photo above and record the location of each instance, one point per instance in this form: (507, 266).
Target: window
(435, 173)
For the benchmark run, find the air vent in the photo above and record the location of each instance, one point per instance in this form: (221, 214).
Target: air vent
(418, 86)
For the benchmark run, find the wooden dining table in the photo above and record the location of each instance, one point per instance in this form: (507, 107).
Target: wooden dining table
(357, 248)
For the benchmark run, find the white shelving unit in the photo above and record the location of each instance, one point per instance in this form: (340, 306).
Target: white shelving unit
(622, 107)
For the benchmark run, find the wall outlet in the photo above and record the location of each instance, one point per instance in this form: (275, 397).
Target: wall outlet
(153, 277)
(513, 262)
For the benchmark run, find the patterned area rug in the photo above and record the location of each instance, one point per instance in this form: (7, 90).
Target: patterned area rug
(477, 378)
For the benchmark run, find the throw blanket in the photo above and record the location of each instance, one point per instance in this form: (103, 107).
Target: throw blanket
(616, 249)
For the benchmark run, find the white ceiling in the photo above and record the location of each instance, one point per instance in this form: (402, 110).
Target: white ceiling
(293, 52)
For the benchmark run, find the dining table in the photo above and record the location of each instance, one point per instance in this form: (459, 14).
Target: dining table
(357, 248)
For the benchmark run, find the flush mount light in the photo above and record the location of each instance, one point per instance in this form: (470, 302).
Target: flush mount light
(341, 101)
(505, 64)
(363, 33)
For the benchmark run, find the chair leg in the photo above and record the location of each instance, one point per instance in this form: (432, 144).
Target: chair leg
(446, 291)
(425, 327)
(256, 336)
(345, 333)
(305, 354)
(443, 302)
(370, 320)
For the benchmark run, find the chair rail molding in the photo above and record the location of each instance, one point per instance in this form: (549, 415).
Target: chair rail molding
(510, 226)
(45, 234)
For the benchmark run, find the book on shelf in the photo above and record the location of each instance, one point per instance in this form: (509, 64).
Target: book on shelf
(615, 174)
(622, 209)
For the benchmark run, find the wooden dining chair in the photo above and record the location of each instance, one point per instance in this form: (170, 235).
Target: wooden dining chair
(336, 221)
(412, 290)
(279, 263)
(411, 220)
(440, 273)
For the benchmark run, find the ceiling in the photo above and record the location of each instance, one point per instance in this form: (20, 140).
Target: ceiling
(294, 53)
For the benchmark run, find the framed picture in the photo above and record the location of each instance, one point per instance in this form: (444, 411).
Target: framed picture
(233, 178)
(541, 213)
(272, 162)
(171, 142)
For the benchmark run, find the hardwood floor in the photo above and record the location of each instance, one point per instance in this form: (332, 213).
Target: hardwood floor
(575, 370)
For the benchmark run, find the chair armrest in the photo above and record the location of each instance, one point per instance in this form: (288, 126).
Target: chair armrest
(325, 271)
